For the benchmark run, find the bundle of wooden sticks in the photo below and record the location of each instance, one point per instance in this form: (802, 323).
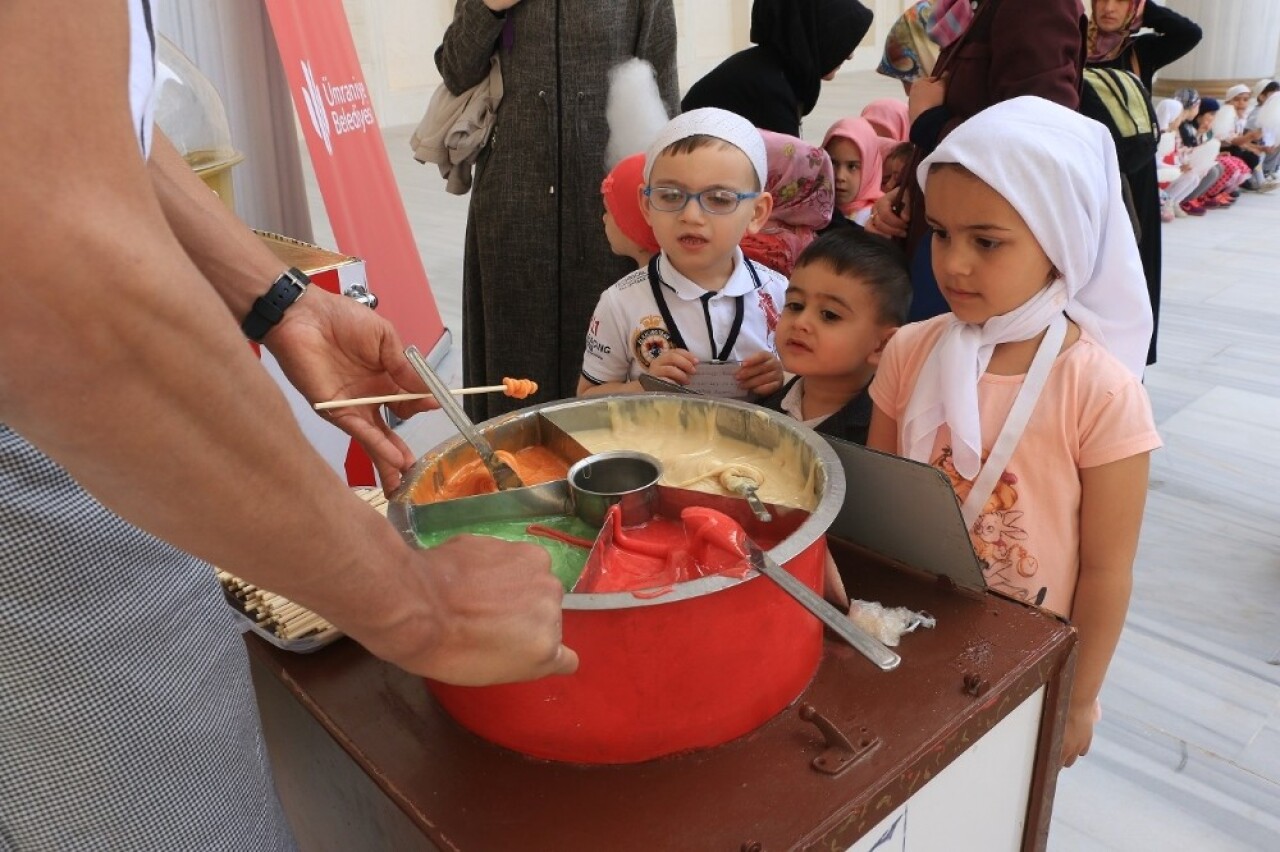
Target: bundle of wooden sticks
(276, 614)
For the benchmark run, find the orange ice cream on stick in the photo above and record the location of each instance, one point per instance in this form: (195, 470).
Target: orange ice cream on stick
(514, 388)
(519, 388)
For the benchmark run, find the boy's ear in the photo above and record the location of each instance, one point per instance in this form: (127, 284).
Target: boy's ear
(762, 206)
(885, 333)
(643, 201)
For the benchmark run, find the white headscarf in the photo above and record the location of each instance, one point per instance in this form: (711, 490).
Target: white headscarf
(720, 123)
(1166, 111)
(1058, 169)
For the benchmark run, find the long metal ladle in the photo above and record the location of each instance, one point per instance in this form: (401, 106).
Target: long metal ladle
(501, 472)
(707, 528)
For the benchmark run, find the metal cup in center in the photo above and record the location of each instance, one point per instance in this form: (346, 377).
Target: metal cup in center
(622, 477)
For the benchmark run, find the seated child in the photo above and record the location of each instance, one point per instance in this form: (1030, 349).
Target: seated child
(699, 299)
(896, 159)
(1028, 394)
(848, 294)
(1269, 140)
(624, 224)
(803, 190)
(857, 155)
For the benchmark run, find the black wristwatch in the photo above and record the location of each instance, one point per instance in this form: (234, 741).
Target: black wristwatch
(270, 307)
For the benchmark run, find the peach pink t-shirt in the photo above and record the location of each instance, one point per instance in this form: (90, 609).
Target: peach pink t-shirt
(1092, 412)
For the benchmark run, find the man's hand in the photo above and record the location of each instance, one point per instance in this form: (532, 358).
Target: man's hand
(761, 374)
(331, 347)
(674, 365)
(490, 614)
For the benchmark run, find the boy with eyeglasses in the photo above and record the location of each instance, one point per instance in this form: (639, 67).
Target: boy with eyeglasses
(699, 300)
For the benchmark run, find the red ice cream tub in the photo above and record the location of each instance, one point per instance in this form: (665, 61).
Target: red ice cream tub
(695, 666)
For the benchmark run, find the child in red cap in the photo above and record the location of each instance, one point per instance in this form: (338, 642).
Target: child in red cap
(629, 234)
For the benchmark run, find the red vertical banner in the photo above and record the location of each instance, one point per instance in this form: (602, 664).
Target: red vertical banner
(360, 194)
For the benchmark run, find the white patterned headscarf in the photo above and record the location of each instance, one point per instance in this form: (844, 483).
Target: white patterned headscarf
(718, 123)
(1058, 169)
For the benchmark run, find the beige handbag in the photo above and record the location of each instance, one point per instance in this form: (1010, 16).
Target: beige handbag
(456, 127)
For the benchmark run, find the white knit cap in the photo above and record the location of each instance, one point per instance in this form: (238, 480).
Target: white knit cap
(719, 123)
(1237, 89)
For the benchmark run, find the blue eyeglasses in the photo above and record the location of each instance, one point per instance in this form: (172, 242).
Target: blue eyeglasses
(717, 202)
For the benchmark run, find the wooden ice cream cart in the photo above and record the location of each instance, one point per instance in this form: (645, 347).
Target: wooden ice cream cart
(955, 749)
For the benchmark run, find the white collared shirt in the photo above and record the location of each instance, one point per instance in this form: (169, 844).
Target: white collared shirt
(793, 404)
(627, 331)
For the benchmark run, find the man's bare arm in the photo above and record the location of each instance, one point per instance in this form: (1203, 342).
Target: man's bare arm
(119, 360)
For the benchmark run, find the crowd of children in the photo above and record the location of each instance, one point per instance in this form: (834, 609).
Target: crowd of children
(1212, 150)
(1028, 394)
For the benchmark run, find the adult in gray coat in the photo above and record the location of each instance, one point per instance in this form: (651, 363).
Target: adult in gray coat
(537, 258)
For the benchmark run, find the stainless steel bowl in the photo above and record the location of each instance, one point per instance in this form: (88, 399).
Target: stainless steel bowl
(623, 478)
(554, 424)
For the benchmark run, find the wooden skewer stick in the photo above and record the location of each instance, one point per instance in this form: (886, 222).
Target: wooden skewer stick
(512, 387)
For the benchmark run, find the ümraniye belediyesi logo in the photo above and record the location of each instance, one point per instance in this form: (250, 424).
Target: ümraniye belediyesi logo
(335, 109)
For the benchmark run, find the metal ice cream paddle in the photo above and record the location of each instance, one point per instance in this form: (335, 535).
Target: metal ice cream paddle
(501, 472)
(712, 528)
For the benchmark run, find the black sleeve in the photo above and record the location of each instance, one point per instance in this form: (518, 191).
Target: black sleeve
(753, 85)
(463, 57)
(926, 130)
(1172, 37)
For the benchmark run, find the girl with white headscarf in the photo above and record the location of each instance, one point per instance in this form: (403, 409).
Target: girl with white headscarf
(1028, 395)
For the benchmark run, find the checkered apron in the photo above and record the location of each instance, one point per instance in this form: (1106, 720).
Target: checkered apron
(127, 716)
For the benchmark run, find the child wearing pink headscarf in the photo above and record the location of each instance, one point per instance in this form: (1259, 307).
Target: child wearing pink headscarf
(890, 118)
(857, 156)
(802, 184)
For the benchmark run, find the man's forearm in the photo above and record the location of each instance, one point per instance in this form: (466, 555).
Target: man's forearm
(238, 264)
(120, 362)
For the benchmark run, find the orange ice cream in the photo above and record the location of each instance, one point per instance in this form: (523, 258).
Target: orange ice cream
(534, 465)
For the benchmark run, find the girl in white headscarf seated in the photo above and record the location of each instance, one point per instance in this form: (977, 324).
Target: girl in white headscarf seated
(1028, 394)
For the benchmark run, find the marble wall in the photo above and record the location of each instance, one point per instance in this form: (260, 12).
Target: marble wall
(1241, 40)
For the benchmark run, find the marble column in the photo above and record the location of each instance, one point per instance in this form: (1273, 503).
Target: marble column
(1241, 44)
(230, 41)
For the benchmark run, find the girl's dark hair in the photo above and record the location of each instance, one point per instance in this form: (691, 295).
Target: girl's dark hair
(1273, 86)
(873, 261)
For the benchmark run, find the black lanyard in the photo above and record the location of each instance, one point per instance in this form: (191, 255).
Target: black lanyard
(677, 339)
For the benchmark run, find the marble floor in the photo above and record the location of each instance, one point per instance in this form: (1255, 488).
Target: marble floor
(1187, 755)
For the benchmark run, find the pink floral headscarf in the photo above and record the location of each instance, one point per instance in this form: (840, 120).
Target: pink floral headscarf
(860, 132)
(1103, 47)
(891, 115)
(802, 184)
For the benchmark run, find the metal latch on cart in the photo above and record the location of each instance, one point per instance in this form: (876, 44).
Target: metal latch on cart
(361, 294)
(841, 752)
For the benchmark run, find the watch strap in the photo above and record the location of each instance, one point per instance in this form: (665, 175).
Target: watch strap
(269, 308)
